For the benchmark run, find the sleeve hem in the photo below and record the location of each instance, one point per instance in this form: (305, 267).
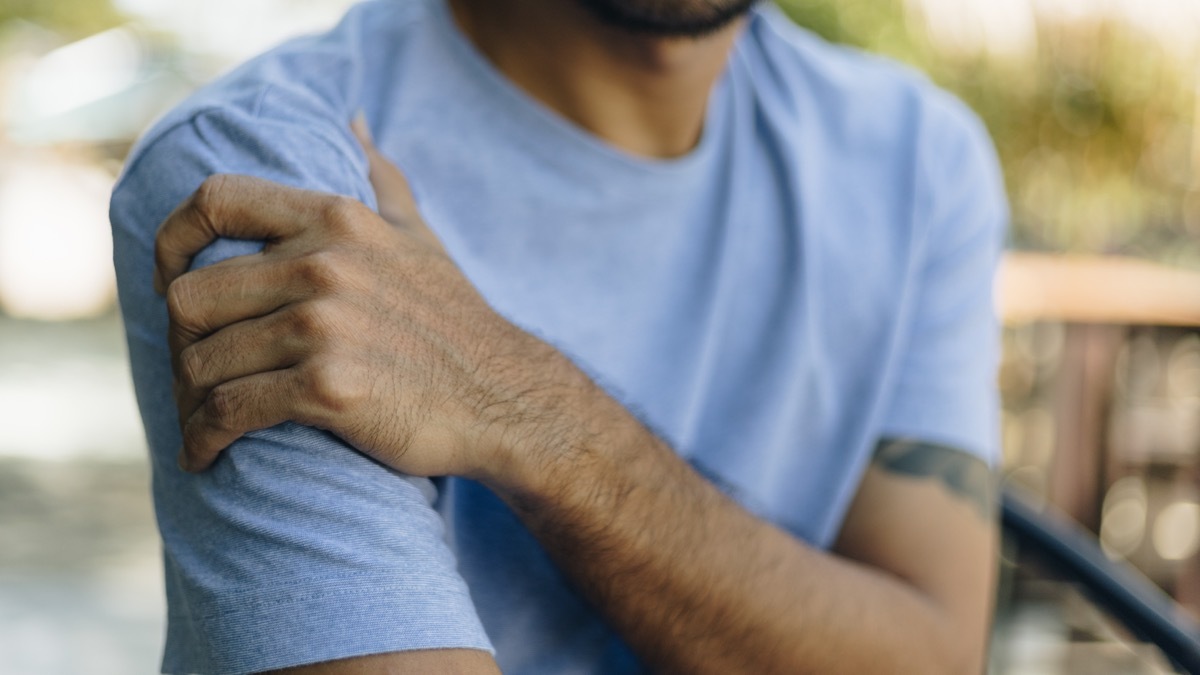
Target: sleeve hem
(322, 624)
(986, 450)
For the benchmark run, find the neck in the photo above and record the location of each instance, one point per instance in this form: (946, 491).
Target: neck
(644, 94)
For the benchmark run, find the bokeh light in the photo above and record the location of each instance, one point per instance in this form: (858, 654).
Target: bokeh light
(1177, 531)
(55, 250)
(1094, 106)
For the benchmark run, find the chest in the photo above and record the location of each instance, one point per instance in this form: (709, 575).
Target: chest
(729, 308)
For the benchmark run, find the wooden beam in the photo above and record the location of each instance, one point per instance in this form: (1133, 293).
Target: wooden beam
(1097, 290)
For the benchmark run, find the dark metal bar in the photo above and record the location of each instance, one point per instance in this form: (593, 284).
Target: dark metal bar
(1133, 600)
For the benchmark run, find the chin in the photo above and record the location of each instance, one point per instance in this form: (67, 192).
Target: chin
(669, 18)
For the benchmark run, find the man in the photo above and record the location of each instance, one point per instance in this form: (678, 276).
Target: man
(687, 314)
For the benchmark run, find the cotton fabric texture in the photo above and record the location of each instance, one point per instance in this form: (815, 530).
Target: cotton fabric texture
(816, 274)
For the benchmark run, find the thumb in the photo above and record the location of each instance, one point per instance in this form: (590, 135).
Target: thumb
(396, 203)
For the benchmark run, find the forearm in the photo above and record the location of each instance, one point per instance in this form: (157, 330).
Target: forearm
(696, 584)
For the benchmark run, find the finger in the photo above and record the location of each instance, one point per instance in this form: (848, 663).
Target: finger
(273, 342)
(205, 300)
(392, 191)
(236, 408)
(362, 130)
(236, 207)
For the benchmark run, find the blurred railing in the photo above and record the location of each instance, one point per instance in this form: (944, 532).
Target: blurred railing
(1101, 385)
(1137, 604)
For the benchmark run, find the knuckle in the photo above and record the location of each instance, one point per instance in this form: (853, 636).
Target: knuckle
(191, 368)
(221, 407)
(322, 270)
(331, 388)
(162, 256)
(323, 383)
(208, 195)
(309, 321)
(342, 213)
(193, 440)
(179, 295)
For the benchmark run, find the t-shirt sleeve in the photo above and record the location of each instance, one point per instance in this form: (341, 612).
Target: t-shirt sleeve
(946, 389)
(293, 548)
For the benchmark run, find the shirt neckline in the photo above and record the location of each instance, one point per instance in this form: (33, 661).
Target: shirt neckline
(556, 132)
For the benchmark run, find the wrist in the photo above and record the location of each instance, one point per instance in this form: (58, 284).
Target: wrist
(551, 436)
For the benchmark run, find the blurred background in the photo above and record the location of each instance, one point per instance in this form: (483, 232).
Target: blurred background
(1095, 109)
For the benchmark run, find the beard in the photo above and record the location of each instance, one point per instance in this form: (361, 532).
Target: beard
(669, 18)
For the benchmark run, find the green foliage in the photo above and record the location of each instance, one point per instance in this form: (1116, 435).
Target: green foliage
(72, 18)
(1094, 129)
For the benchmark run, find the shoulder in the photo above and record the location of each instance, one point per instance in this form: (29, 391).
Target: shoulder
(867, 122)
(282, 116)
(859, 102)
(316, 83)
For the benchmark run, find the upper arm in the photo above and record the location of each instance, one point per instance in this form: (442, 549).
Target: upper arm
(293, 548)
(944, 386)
(924, 510)
(926, 514)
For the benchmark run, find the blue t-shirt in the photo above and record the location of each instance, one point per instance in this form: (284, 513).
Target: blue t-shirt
(815, 275)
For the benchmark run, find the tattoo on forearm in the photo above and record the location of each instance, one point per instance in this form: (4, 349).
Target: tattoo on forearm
(962, 474)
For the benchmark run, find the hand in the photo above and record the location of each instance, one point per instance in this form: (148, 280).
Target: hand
(346, 321)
